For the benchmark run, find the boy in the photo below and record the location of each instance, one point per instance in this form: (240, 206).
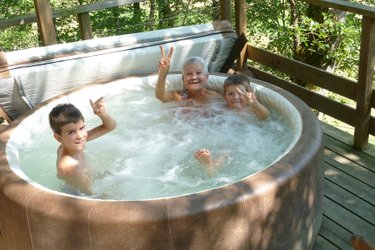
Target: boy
(68, 126)
(239, 96)
(194, 77)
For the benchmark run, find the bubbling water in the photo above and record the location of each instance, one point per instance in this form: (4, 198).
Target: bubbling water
(151, 152)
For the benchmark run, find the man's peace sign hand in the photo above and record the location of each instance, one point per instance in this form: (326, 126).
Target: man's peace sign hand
(165, 61)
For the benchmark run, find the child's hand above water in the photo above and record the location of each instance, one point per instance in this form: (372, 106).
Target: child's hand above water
(98, 106)
(249, 97)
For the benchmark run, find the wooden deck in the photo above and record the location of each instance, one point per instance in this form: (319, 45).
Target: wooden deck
(349, 192)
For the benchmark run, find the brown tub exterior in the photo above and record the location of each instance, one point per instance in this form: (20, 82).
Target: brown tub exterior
(277, 208)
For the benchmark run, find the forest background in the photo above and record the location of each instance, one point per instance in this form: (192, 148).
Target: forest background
(321, 37)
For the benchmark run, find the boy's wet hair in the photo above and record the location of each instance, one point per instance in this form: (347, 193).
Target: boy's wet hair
(237, 79)
(195, 59)
(63, 114)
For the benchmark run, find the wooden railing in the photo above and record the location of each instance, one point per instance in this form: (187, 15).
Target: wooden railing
(360, 91)
(45, 17)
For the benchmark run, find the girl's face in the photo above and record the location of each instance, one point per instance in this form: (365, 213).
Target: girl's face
(235, 96)
(194, 77)
(73, 136)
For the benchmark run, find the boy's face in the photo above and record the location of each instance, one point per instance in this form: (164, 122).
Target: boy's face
(194, 77)
(73, 136)
(236, 96)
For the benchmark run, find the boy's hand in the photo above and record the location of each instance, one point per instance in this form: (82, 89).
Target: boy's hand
(249, 96)
(165, 61)
(98, 106)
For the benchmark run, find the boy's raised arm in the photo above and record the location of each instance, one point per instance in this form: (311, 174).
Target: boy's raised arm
(255, 106)
(259, 110)
(108, 123)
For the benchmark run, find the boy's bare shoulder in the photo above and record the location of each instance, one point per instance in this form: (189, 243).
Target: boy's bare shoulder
(66, 165)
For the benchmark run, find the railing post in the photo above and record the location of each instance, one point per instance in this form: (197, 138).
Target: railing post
(85, 26)
(45, 22)
(364, 89)
(3, 60)
(4, 72)
(240, 10)
(226, 10)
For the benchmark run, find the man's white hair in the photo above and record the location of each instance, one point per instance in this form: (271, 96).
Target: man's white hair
(195, 59)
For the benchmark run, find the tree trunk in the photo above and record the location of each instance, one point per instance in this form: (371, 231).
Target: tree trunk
(216, 15)
(165, 14)
(294, 24)
(152, 14)
(137, 15)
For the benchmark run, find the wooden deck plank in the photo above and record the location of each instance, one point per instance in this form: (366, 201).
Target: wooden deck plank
(348, 220)
(349, 167)
(360, 189)
(349, 152)
(335, 236)
(346, 138)
(349, 191)
(323, 244)
(350, 202)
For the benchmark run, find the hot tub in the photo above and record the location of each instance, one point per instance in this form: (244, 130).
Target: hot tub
(279, 207)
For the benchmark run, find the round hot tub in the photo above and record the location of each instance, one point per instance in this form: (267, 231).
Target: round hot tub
(279, 207)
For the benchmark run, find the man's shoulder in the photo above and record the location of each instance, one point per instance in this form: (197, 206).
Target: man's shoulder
(213, 92)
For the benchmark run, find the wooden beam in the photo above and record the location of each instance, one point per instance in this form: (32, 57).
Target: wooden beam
(5, 116)
(319, 102)
(19, 20)
(364, 92)
(85, 26)
(3, 59)
(93, 7)
(352, 7)
(31, 18)
(45, 22)
(226, 10)
(240, 9)
(372, 126)
(4, 71)
(308, 73)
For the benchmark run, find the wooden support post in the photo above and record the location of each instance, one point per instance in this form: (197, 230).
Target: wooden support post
(4, 71)
(240, 9)
(85, 26)
(3, 60)
(45, 22)
(226, 10)
(364, 89)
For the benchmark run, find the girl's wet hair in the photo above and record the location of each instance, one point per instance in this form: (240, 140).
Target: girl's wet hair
(237, 79)
(63, 114)
(195, 59)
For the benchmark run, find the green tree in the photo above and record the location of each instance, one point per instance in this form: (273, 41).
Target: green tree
(17, 37)
(318, 36)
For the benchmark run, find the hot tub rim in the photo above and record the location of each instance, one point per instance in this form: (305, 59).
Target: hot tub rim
(308, 120)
